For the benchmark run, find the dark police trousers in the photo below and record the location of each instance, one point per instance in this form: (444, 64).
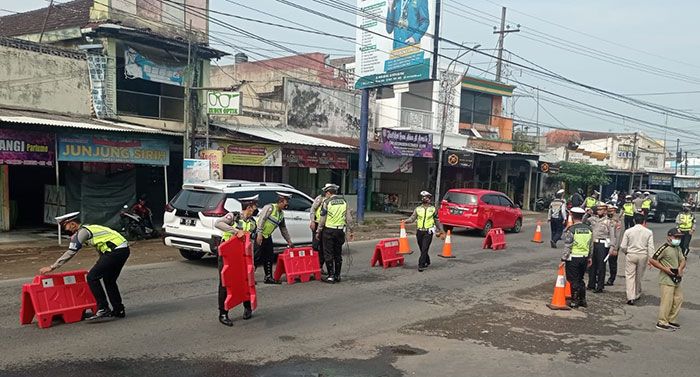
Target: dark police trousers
(223, 294)
(575, 270)
(424, 238)
(107, 268)
(317, 245)
(685, 242)
(629, 221)
(333, 240)
(596, 274)
(557, 227)
(612, 263)
(265, 255)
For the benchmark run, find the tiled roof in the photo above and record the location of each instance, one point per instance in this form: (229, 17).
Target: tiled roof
(62, 16)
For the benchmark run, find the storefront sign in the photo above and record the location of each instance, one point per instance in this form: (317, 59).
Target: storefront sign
(194, 170)
(387, 164)
(548, 168)
(625, 151)
(686, 183)
(216, 162)
(660, 180)
(458, 159)
(113, 149)
(303, 158)
(245, 154)
(403, 143)
(26, 148)
(224, 103)
(140, 67)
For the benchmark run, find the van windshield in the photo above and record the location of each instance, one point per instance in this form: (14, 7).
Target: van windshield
(460, 198)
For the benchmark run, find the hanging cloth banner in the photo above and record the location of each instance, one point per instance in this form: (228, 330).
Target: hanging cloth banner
(139, 67)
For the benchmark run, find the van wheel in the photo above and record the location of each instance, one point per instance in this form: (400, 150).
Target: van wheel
(662, 217)
(487, 228)
(191, 255)
(518, 226)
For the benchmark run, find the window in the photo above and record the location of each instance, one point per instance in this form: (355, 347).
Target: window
(460, 198)
(475, 107)
(190, 200)
(506, 202)
(296, 203)
(491, 200)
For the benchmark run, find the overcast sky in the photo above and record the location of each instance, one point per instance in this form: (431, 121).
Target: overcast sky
(653, 33)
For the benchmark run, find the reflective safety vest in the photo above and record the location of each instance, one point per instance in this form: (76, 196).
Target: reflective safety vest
(336, 209)
(646, 204)
(582, 241)
(425, 218)
(686, 222)
(273, 221)
(317, 214)
(247, 225)
(591, 202)
(104, 239)
(628, 208)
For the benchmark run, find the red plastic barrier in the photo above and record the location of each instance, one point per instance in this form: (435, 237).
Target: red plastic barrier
(298, 263)
(65, 295)
(238, 272)
(495, 239)
(386, 254)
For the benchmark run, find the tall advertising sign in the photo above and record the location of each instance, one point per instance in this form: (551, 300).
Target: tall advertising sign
(394, 41)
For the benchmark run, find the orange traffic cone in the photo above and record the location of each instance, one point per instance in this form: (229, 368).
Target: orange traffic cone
(538, 233)
(404, 248)
(559, 296)
(567, 290)
(447, 248)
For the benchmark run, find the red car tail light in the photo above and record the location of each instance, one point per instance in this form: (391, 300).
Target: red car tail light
(219, 211)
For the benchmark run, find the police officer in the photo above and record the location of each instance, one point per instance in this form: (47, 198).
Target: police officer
(315, 214)
(603, 237)
(236, 224)
(686, 224)
(646, 204)
(628, 211)
(335, 217)
(271, 218)
(614, 247)
(638, 200)
(425, 215)
(578, 242)
(591, 201)
(557, 217)
(113, 250)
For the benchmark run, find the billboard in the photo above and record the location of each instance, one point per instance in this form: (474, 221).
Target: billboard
(223, 103)
(216, 162)
(407, 144)
(113, 149)
(26, 148)
(394, 41)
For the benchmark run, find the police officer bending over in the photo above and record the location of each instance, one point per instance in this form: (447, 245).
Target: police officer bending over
(335, 217)
(113, 250)
(315, 214)
(271, 218)
(578, 243)
(236, 224)
(427, 221)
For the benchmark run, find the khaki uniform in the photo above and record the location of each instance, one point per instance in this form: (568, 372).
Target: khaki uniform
(603, 234)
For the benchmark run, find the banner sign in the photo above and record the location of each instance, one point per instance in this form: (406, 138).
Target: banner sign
(244, 154)
(139, 67)
(216, 162)
(303, 158)
(26, 148)
(195, 171)
(386, 164)
(409, 144)
(394, 41)
(546, 167)
(660, 180)
(224, 103)
(113, 149)
(686, 183)
(458, 159)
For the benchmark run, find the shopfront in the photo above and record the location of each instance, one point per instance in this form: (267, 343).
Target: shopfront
(249, 161)
(310, 169)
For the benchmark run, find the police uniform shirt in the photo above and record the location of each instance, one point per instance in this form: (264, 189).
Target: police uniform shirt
(229, 223)
(638, 203)
(77, 241)
(414, 217)
(679, 221)
(324, 213)
(602, 227)
(557, 209)
(314, 207)
(265, 213)
(569, 240)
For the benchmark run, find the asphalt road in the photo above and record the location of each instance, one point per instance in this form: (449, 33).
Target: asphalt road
(480, 314)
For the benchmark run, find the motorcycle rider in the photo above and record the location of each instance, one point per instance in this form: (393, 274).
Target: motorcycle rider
(577, 198)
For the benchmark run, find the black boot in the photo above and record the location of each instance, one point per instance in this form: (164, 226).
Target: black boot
(574, 300)
(102, 313)
(247, 313)
(224, 319)
(582, 299)
(268, 274)
(119, 312)
(331, 274)
(338, 268)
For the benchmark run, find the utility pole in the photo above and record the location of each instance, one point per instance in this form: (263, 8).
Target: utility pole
(362, 160)
(678, 154)
(537, 119)
(686, 163)
(502, 35)
(46, 18)
(632, 164)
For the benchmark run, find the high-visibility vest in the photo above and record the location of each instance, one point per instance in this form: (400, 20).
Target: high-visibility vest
(646, 204)
(628, 208)
(591, 202)
(686, 221)
(247, 225)
(104, 239)
(273, 221)
(317, 214)
(425, 218)
(336, 209)
(582, 241)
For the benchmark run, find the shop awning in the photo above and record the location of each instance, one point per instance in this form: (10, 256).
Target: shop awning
(283, 136)
(55, 120)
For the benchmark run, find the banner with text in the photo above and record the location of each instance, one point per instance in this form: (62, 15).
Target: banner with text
(26, 148)
(138, 66)
(244, 154)
(216, 162)
(303, 158)
(458, 159)
(404, 143)
(113, 149)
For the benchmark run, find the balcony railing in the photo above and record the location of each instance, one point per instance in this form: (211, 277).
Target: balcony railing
(150, 105)
(418, 119)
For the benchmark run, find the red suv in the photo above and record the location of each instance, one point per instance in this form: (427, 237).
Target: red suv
(479, 209)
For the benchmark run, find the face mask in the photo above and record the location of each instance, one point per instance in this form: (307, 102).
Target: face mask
(426, 200)
(675, 242)
(610, 215)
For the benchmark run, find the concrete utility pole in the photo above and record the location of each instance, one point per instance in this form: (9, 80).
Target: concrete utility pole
(678, 154)
(632, 167)
(502, 35)
(686, 163)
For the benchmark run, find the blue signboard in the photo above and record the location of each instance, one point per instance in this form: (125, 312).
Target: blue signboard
(113, 149)
(139, 66)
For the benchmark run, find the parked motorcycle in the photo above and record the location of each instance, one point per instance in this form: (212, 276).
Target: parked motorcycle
(136, 227)
(542, 204)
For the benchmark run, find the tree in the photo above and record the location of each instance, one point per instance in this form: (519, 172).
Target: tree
(582, 175)
(521, 142)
